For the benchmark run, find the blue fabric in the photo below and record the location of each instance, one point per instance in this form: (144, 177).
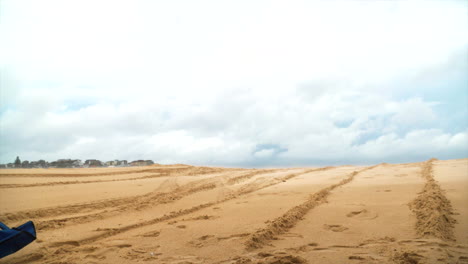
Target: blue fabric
(14, 239)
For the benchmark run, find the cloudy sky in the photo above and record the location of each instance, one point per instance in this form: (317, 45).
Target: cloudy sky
(234, 83)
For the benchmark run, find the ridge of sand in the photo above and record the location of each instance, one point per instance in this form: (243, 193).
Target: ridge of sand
(285, 222)
(432, 209)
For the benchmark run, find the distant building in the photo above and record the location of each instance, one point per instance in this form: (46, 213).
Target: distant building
(119, 163)
(77, 163)
(92, 163)
(68, 163)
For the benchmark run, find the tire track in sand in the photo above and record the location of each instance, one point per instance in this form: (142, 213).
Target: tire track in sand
(432, 209)
(249, 188)
(111, 207)
(44, 253)
(245, 177)
(6, 186)
(108, 207)
(289, 219)
(142, 202)
(103, 204)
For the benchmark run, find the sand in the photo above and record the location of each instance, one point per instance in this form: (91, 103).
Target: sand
(386, 213)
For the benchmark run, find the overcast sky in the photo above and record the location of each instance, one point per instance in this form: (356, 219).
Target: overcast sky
(234, 83)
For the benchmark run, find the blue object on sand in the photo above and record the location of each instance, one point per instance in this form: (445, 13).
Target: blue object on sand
(14, 239)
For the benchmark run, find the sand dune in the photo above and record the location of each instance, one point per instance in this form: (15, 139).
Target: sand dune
(387, 213)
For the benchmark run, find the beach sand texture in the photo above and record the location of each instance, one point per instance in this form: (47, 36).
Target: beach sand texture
(385, 213)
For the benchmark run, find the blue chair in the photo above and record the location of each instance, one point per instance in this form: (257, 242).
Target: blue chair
(14, 239)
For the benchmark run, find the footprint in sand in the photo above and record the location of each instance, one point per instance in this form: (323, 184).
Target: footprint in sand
(151, 234)
(234, 236)
(271, 257)
(203, 241)
(201, 217)
(354, 213)
(335, 228)
(356, 258)
(362, 214)
(190, 259)
(95, 257)
(65, 243)
(117, 244)
(387, 190)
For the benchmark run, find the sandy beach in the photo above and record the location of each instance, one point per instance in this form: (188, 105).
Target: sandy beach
(384, 213)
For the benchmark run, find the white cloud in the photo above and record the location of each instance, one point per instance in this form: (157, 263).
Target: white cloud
(298, 131)
(413, 113)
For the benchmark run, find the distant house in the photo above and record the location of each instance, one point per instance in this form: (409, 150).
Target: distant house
(92, 163)
(141, 163)
(77, 163)
(112, 163)
(122, 163)
(68, 163)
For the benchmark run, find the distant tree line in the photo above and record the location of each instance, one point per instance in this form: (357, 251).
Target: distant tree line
(74, 163)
